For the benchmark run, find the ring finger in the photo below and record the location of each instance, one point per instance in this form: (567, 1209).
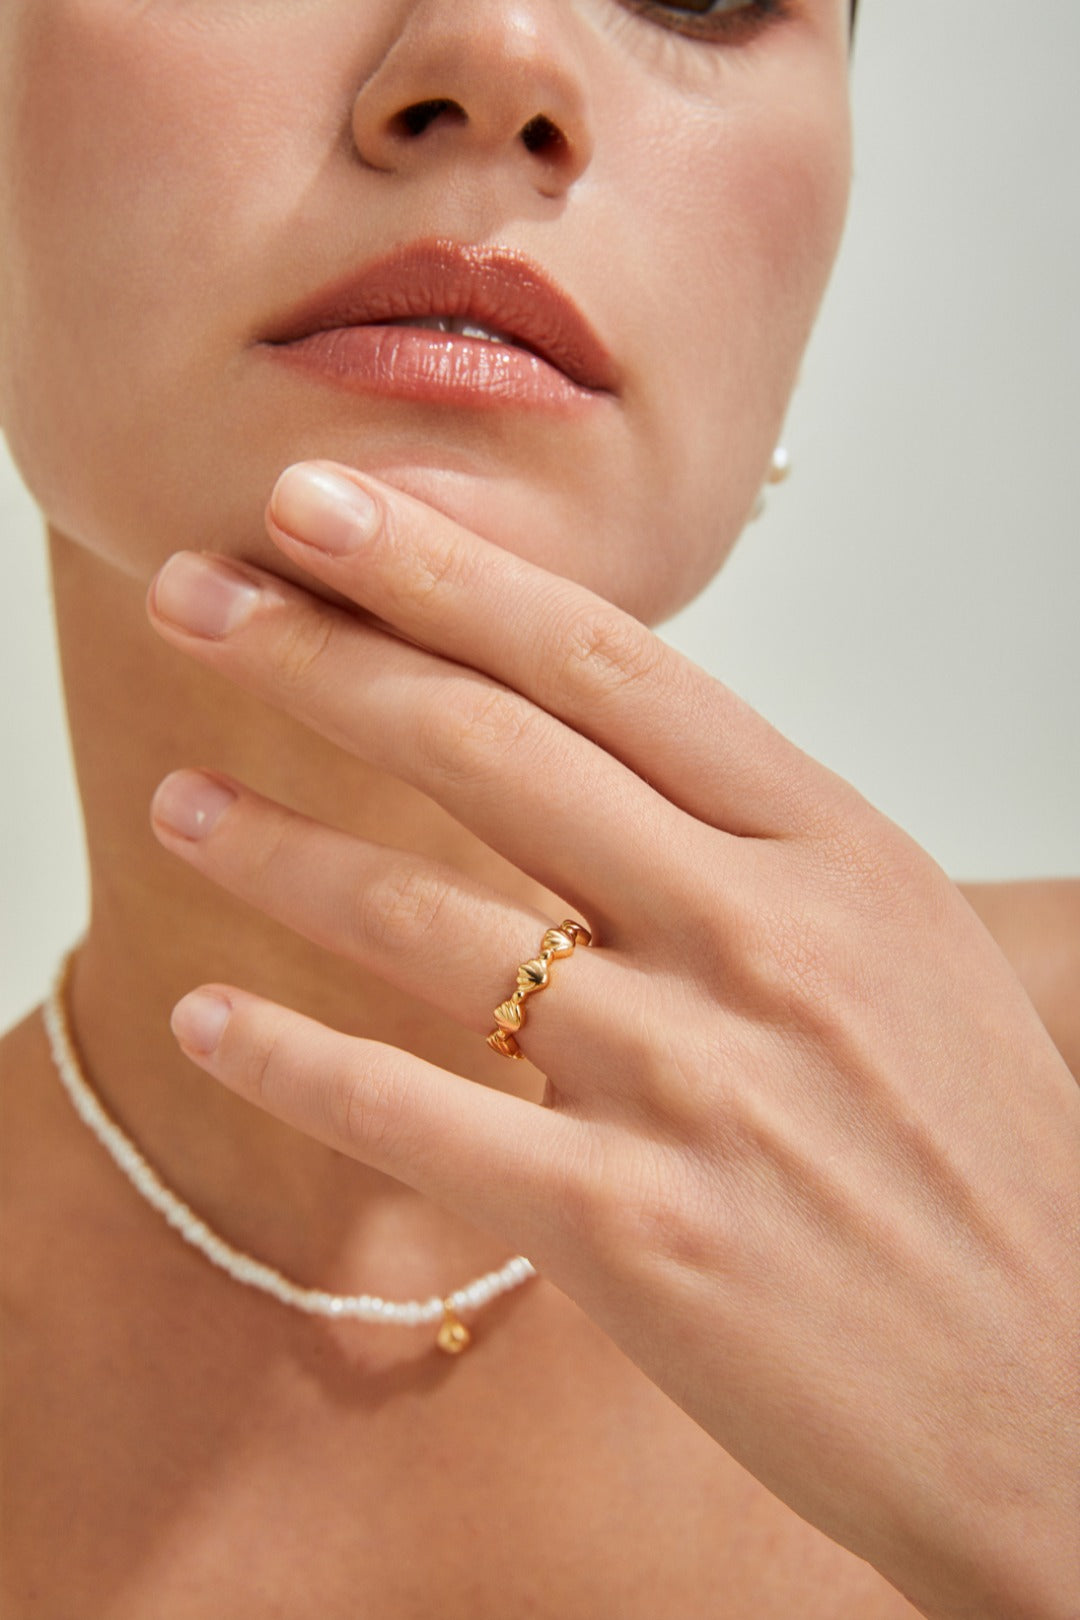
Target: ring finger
(419, 925)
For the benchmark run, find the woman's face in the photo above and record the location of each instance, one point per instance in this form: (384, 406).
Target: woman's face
(176, 175)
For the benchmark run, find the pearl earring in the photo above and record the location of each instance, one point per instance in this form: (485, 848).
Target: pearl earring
(779, 470)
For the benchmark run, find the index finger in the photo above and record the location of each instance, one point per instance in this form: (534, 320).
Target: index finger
(566, 648)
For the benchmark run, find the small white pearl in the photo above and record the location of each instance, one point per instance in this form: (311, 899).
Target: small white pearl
(780, 465)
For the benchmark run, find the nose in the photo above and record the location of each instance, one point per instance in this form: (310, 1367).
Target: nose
(486, 80)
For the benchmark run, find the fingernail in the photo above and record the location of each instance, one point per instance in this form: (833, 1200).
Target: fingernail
(190, 804)
(198, 1022)
(203, 596)
(323, 508)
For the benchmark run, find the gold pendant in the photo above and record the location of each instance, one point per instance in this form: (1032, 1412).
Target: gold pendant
(454, 1336)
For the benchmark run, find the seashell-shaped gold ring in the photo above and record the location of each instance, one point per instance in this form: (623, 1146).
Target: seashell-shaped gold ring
(532, 976)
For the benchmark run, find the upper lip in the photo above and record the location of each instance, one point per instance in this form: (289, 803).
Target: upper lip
(491, 285)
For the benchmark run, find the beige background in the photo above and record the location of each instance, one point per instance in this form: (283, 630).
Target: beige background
(907, 611)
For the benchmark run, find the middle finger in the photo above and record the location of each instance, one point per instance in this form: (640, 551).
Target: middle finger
(552, 802)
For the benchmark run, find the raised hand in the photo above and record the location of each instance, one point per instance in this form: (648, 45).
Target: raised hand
(806, 1153)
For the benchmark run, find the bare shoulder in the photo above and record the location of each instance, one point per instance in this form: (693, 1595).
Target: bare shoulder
(1036, 924)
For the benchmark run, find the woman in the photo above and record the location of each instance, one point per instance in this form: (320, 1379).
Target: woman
(794, 1154)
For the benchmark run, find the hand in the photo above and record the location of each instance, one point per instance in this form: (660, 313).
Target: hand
(807, 1153)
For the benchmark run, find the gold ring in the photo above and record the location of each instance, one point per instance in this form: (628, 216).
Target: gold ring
(533, 976)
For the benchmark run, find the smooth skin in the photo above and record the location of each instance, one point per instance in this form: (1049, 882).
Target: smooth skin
(796, 1151)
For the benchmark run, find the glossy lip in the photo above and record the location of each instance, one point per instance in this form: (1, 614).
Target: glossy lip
(493, 286)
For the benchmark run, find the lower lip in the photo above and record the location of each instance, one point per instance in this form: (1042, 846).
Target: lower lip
(410, 362)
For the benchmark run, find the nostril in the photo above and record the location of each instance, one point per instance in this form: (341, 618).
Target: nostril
(415, 119)
(541, 135)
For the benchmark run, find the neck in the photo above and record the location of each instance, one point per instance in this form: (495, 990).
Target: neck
(137, 709)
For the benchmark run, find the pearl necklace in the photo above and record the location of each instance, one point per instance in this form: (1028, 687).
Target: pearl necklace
(453, 1335)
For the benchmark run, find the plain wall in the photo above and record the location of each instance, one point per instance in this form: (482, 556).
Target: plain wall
(907, 610)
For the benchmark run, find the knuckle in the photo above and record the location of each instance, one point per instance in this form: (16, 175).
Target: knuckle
(399, 911)
(264, 1067)
(781, 954)
(427, 571)
(655, 1207)
(467, 740)
(263, 854)
(878, 871)
(301, 648)
(811, 955)
(497, 721)
(603, 653)
(582, 1194)
(367, 1113)
(682, 1217)
(804, 970)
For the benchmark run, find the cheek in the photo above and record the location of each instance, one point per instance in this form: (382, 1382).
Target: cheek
(739, 252)
(130, 154)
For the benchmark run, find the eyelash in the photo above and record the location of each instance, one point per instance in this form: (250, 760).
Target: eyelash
(731, 27)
